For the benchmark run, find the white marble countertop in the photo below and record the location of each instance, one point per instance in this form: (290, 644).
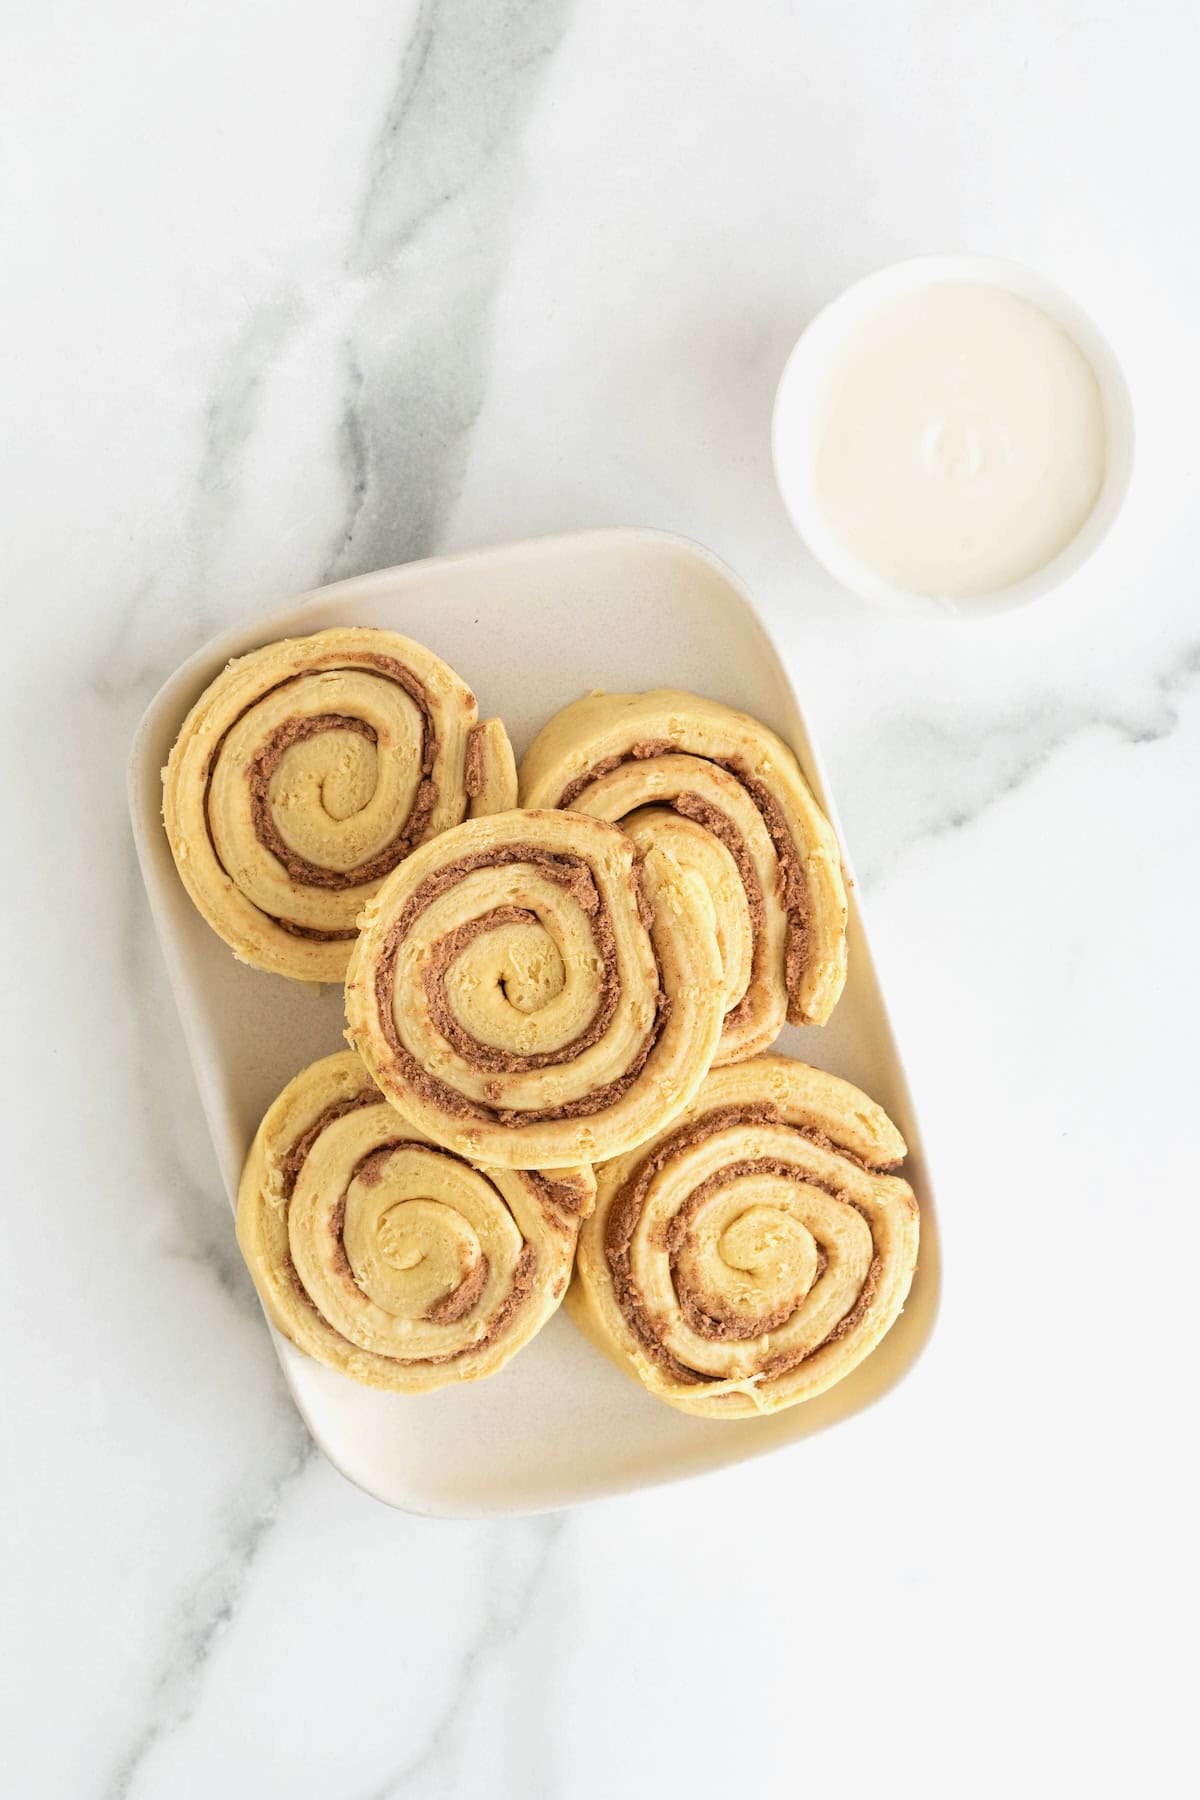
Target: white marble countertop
(294, 291)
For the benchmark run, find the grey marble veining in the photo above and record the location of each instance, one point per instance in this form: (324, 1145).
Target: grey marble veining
(206, 1610)
(405, 319)
(504, 1616)
(959, 773)
(441, 182)
(178, 603)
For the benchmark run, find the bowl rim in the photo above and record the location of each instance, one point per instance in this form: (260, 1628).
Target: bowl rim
(808, 364)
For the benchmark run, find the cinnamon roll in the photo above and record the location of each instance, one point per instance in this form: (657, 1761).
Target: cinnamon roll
(309, 770)
(532, 993)
(386, 1256)
(726, 796)
(753, 1253)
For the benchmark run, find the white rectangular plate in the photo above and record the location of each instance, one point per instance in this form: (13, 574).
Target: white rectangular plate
(530, 627)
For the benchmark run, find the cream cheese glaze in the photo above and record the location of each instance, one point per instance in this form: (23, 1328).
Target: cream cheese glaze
(960, 440)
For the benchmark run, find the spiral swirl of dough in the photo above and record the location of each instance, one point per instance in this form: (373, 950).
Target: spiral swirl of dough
(384, 1255)
(755, 1252)
(306, 772)
(727, 797)
(534, 995)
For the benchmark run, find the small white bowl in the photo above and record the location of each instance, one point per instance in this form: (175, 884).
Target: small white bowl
(797, 404)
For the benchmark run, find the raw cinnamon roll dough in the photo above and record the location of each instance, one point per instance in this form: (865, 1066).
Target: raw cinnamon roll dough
(726, 797)
(387, 1257)
(532, 994)
(754, 1252)
(306, 772)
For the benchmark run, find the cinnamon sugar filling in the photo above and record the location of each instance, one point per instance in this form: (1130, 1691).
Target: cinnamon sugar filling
(793, 887)
(570, 873)
(263, 765)
(451, 1307)
(708, 1315)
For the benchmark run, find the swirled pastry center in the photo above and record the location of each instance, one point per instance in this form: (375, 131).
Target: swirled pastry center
(728, 1269)
(317, 771)
(414, 1243)
(516, 988)
(388, 1257)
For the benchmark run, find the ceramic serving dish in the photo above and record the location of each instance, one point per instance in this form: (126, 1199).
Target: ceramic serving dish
(529, 626)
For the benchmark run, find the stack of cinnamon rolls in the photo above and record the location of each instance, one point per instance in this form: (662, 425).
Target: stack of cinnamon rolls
(562, 984)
